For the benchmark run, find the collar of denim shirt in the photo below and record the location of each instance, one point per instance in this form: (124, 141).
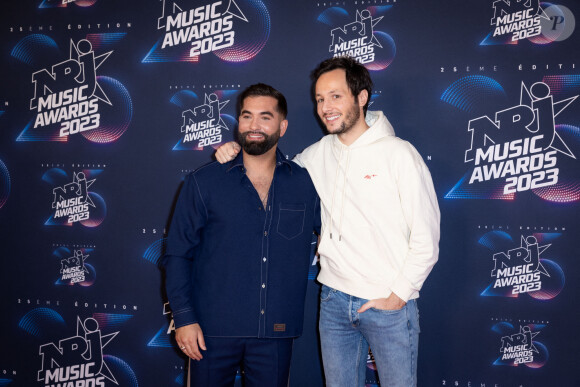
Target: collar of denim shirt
(238, 161)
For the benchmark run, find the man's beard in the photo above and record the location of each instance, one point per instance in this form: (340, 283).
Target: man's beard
(350, 120)
(257, 148)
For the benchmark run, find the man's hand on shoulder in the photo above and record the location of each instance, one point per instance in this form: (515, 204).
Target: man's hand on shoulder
(227, 152)
(190, 340)
(393, 302)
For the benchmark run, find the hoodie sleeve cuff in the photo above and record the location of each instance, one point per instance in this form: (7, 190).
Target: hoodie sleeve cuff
(403, 289)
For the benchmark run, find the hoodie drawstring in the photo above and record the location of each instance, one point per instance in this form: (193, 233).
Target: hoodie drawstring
(334, 190)
(343, 194)
(345, 179)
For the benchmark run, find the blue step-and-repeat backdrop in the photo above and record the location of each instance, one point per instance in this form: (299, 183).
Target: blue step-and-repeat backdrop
(106, 105)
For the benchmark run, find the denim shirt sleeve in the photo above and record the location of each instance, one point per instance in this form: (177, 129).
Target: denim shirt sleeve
(188, 220)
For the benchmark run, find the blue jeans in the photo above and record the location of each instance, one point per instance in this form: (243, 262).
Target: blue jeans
(345, 336)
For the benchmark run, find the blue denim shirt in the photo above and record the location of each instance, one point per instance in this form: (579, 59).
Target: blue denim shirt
(237, 269)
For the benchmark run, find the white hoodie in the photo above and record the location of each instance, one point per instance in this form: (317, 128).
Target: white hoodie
(380, 218)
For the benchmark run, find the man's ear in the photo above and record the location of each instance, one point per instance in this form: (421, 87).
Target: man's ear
(363, 98)
(283, 127)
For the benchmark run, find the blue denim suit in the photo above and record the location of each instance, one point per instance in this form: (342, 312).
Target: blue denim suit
(237, 269)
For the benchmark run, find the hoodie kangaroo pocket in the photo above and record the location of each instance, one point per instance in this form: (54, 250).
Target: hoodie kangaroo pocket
(291, 220)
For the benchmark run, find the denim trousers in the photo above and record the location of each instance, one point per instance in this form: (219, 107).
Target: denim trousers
(345, 336)
(266, 362)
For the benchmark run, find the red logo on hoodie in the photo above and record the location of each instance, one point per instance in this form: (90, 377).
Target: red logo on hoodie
(368, 177)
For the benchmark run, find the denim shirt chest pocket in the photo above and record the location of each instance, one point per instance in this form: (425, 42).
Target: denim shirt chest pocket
(291, 219)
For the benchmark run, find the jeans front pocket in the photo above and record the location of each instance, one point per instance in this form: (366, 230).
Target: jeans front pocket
(326, 292)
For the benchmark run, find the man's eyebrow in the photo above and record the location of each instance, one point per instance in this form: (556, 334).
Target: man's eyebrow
(264, 113)
(328, 92)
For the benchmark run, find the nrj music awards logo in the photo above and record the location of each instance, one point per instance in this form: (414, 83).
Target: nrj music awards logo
(72, 202)
(233, 30)
(518, 149)
(77, 360)
(73, 266)
(69, 98)
(540, 23)
(359, 37)
(524, 269)
(203, 122)
(520, 346)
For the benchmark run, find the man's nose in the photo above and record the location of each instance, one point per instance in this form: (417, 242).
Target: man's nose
(253, 124)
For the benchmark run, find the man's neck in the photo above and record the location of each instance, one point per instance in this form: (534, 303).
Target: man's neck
(354, 133)
(261, 165)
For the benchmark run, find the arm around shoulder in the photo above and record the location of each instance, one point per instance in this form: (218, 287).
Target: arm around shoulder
(227, 152)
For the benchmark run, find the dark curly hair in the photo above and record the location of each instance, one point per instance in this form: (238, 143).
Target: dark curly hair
(263, 90)
(357, 76)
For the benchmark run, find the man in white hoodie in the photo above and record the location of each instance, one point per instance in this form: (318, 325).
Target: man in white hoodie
(380, 232)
